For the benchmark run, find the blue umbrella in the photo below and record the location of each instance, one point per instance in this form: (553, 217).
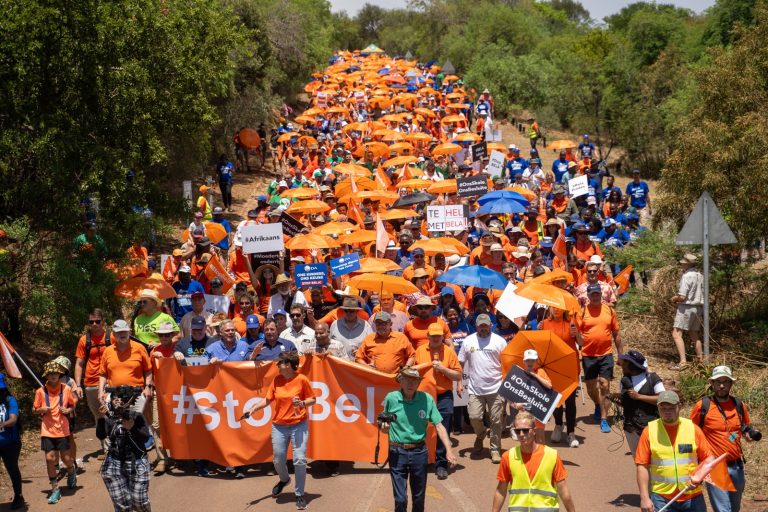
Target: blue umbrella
(475, 275)
(501, 206)
(504, 194)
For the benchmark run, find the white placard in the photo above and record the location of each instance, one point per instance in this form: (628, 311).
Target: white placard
(496, 163)
(196, 360)
(578, 186)
(512, 305)
(497, 135)
(258, 238)
(446, 218)
(216, 304)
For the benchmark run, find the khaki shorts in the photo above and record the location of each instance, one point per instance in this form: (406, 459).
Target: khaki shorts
(688, 317)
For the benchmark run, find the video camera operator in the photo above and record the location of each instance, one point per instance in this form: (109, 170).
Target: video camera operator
(405, 417)
(126, 466)
(724, 419)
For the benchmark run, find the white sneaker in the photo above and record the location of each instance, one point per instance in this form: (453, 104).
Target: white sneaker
(557, 434)
(572, 441)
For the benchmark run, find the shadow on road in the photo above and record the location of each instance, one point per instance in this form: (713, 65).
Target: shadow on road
(626, 500)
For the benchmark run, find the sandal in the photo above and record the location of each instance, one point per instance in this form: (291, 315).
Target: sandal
(678, 366)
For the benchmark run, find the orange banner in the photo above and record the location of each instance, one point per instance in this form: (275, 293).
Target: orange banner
(215, 268)
(201, 406)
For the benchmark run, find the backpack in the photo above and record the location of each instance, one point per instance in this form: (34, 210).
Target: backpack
(89, 346)
(707, 401)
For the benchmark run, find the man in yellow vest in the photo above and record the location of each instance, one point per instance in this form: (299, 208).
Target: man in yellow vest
(531, 474)
(668, 453)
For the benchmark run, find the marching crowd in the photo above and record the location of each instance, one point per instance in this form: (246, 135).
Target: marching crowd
(384, 132)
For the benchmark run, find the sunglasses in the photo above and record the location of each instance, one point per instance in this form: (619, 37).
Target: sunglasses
(164, 335)
(94, 322)
(521, 431)
(592, 271)
(245, 303)
(296, 315)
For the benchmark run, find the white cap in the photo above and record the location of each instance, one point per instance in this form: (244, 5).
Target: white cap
(595, 258)
(512, 146)
(530, 354)
(496, 247)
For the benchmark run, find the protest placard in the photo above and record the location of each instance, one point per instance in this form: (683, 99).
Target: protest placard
(216, 304)
(291, 226)
(578, 186)
(258, 238)
(496, 163)
(522, 388)
(265, 258)
(315, 274)
(472, 186)
(479, 151)
(215, 268)
(512, 305)
(345, 264)
(447, 218)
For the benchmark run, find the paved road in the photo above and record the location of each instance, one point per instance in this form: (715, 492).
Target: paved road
(601, 477)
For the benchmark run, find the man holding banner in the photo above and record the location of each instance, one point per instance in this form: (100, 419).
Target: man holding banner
(531, 474)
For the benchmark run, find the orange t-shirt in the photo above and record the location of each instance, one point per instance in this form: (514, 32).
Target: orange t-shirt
(718, 430)
(54, 423)
(478, 257)
(532, 462)
(337, 313)
(126, 367)
(586, 250)
(416, 330)
(398, 306)
(281, 393)
(597, 325)
(643, 453)
(447, 356)
(388, 354)
(409, 270)
(238, 266)
(93, 365)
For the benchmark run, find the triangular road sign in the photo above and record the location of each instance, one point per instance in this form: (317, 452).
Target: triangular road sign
(693, 231)
(448, 68)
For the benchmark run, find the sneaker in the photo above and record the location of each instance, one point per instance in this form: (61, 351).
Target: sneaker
(239, 474)
(557, 434)
(495, 457)
(301, 503)
(441, 473)
(572, 441)
(477, 448)
(605, 428)
(596, 414)
(18, 502)
(277, 489)
(203, 472)
(150, 443)
(54, 497)
(72, 480)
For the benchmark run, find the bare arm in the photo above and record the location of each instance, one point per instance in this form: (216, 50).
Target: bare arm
(642, 486)
(499, 496)
(617, 342)
(79, 365)
(442, 434)
(565, 496)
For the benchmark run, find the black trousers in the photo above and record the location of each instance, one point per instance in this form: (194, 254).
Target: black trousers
(10, 455)
(226, 193)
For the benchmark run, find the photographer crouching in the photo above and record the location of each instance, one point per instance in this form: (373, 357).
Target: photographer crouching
(126, 467)
(405, 417)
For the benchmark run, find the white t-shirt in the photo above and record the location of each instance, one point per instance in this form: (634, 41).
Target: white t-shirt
(481, 359)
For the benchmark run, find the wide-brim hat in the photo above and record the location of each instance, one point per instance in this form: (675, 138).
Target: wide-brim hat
(51, 367)
(260, 270)
(409, 372)
(281, 279)
(150, 294)
(722, 371)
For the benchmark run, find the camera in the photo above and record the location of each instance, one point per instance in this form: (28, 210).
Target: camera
(753, 433)
(127, 395)
(386, 417)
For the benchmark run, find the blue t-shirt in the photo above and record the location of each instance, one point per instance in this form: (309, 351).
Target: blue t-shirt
(9, 434)
(559, 168)
(273, 353)
(225, 172)
(224, 244)
(217, 349)
(638, 194)
(587, 149)
(182, 303)
(607, 191)
(516, 166)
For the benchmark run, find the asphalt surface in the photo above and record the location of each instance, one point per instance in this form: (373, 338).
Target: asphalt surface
(600, 476)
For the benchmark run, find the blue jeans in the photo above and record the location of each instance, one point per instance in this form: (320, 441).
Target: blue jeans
(728, 501)
(445, 408)
(297, 435)
(404, 465)
(696, 504)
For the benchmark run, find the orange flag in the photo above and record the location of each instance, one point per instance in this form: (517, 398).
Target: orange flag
(382, 239)
(382, 179)
(6, 352)
(215, 268)
(559, 248)
(353, 184)
(621, 280)
(406, 173)
(168, 268)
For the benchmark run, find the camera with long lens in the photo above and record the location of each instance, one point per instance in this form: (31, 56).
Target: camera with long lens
(753, 433)
(386, 417)
(127, 395)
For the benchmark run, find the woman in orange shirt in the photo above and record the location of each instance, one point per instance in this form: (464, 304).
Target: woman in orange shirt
(291, 394)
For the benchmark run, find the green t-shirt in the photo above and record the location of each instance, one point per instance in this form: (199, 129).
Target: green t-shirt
(145, 326)
(412, 416)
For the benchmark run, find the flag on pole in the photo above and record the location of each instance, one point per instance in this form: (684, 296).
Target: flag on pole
(382, 239)
(382, 179)
(215, 268)
(6, 352)
(407, 174)
(621, 280)
(559, 248)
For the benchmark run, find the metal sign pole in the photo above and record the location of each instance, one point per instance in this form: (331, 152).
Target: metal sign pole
(706, 277)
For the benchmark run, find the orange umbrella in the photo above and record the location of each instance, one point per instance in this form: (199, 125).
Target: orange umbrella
(551, 277)
(557, 145)
(560, 361)
(300, 193)
(413, 183)
(376, 195)
(397, 213)
(376, 148)
(250, 138)
(467, 137)
(305, 119)
(358, 237)
(308, 242)
(337, 110)
(306, 140)
(213, 230)
(451, 78)
(433, 246)
(133, 268)
(392, 136)
(343, 188)
(419, 137)
(496, 146)
(351, 169)
(424, 112)
(309, 206)
(443, 187)
(131, 288)
(286, 137)
(379, 283)
(549, 295)
(389, 265)
(334, 228)
(457, 106)
(447, 148)
(453, 96)
(399, 160)
(463, 249)
(392, 118)
(314, 111)
(356, 127)
(453, 119)
(523, 192)
(380, 102)
(401, 146)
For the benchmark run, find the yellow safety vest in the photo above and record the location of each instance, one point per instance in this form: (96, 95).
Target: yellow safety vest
(538, 495)
(671, 468)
